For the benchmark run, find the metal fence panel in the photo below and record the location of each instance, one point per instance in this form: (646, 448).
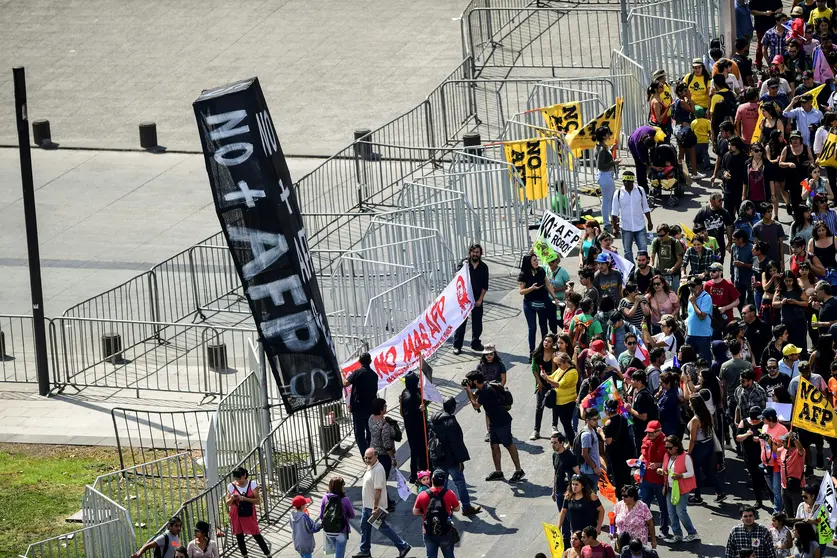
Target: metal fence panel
(105, 540)
(143, 436)
(239, 427)
(17, 350)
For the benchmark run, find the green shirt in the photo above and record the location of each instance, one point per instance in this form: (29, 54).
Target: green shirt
(594, 329)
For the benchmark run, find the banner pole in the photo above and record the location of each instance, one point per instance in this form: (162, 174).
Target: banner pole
(424, 418)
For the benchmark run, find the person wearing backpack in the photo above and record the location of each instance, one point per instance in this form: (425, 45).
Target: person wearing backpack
(164, 546)
(436, 506)
(449, 453)
(481, 394)
(243, 497)
(583, 327)
(383, 437)
(335, 512)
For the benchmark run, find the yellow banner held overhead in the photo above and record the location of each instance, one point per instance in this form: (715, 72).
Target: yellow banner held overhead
(563, 118)
(812, 411)
(828, 155)
(814, 93)
(529, 158)
(585, 138)
(554, 540)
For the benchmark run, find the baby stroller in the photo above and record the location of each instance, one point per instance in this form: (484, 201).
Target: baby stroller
(670, 182)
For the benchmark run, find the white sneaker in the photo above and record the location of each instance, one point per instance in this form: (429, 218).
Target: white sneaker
(692, 537)
(535, 435)
(673, 539)
(698, 176)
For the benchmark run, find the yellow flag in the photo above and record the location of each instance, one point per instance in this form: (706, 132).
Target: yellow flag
(563, 118)
(812, 411)
(529, 158)
(757, 131)
(828, 155)
(813, 93)
(554, 539)
(585, 137)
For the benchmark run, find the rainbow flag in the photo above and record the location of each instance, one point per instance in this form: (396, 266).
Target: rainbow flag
(606, 391)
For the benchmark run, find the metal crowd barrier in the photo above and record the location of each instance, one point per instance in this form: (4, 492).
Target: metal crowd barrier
(661, 42)
(239, 425)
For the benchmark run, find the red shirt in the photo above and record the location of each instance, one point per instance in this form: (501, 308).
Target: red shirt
(653, 451)
(601, 550)
(722, 294)
(748, 115)
(423, 500)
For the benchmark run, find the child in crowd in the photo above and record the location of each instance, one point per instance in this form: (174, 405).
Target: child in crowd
(782, 538)
(702, 129)
(424, 481)
(303, 527)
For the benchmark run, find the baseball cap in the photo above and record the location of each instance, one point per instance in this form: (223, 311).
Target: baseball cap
(489, 348)
(422, 474)
(755, 412)
(598, 345)
(773, 82)
(769, 414)
(300, 500)
(807, 74)
(653, 426)
(797, 10)
(695, 281)
(716, 267)
(778, 59)
(439, 476)
(658, 74)
(697, 62)
(602, 258)
(791, 349)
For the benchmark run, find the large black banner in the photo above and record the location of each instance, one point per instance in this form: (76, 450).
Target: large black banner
(259, 213)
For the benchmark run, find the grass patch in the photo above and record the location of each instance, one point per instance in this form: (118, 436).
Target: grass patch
(41, 486)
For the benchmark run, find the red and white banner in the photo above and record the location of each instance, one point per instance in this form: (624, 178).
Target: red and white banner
(424, 335)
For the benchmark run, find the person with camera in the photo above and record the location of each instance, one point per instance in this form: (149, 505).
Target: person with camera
(771, 434)
(749, 432)
(790, 455)
(481, 394)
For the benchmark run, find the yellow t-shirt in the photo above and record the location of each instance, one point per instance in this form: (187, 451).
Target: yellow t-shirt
(702, 129)
(716, 98)
(817, 14)
(666, 96)
(699, 89)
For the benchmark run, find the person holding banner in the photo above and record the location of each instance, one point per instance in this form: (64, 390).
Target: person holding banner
(478, 274)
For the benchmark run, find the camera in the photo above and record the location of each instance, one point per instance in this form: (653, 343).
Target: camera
(466, 383)
(765, 436)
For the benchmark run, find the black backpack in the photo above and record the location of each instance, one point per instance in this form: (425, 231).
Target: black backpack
(577, 446)
(436, 520)
(161, 552)
(503, 394)
(397, 435)
(436, 448)
(333, 520)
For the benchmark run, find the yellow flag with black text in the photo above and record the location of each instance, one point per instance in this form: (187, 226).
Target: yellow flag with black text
(815, 92)
(812, 411)
(828, 155)
(563, 118)
(529, 158)
(554, 539)
(585, 138)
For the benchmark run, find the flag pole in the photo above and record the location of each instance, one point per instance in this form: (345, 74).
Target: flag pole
(424, 418)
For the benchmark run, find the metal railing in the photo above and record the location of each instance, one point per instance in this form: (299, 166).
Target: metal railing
(239, 426)
(17, 350)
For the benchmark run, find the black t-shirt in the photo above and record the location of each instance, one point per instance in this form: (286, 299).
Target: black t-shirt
(751, 445)
(538, 278)
(582, 512)
(758, 334)
(642, 281)
(745, 66)
(364, 382)
(828, 312)
(770, 351)
(644, 403)
(622, 446)
(563, 463)
(490, 402)
(777, 386)
(763, 23)
(716, 221)
(736, 165)
(479, 277)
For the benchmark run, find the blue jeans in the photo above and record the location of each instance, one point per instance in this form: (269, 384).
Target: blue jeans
(385, 530)
(774, 481)
(304, 555)
(605, 181)
(575, 422)
(434, 544)
(535, 316)
(649, 491)
(340, 542)
(593, 479)
(679, 514)
(703, 457)
(702, 346)
(702, 154)
(461, 488)
(673, 281)
(640, 238)
(360, 422)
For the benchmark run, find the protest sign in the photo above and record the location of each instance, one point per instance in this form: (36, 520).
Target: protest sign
(585, 138)
(559, 233)
(554, 539)
(621, 265)
(812, 411)
(563, 117)
(827, 500)
(529, 158)
(783, 410)
(828, 155)
(544, 251)
(424, 336)
(606, 489)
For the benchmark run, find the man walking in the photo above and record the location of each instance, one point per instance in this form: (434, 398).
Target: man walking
(590, 456)
(749, 535)
(718, 222)
(454, 453)
(630, 204)
(478, 272)
(374, 498)
(756, 331)
(364, 382)
(435, 507)
(653, 451)
(481, 395)
(565, 465)
(643, 408)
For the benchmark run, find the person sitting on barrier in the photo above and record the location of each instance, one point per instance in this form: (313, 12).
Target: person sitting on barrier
(167, 542)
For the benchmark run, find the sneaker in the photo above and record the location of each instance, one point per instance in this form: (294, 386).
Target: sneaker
(720, 497)
(405, 552)
(698, 176)
(362, 554)
(471, 510)
(477, 346)
(487, 437)
(495, 476)
(535, 435)
(695, 499)
(673, 539)
(517, 476)
(692, 537)
(457, 350)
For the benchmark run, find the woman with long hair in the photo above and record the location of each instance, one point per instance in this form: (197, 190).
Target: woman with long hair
(563, 343)
(606, 169)
(542, 364)
(414, 413)
(773, 149)
(669, 338)
(678, 467)
(702, 449)
(683, 112)
(792, 302)
(803, 224)
(795, 160)
(658, 113)
(823, 245)
(202, 546)
(687, 357)
(757, 187)
(592, 230)
(336, 496)
(805, 541)
(537, 294)
(581, 506)
(771, 280)
(571, 308)
(574, 550)
(662, 301)
(633, 305)
(564, 379)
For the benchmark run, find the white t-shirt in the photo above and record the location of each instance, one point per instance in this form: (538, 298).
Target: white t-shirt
(784, 87)
(671, 344)
(373, 479)
(242, 490)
